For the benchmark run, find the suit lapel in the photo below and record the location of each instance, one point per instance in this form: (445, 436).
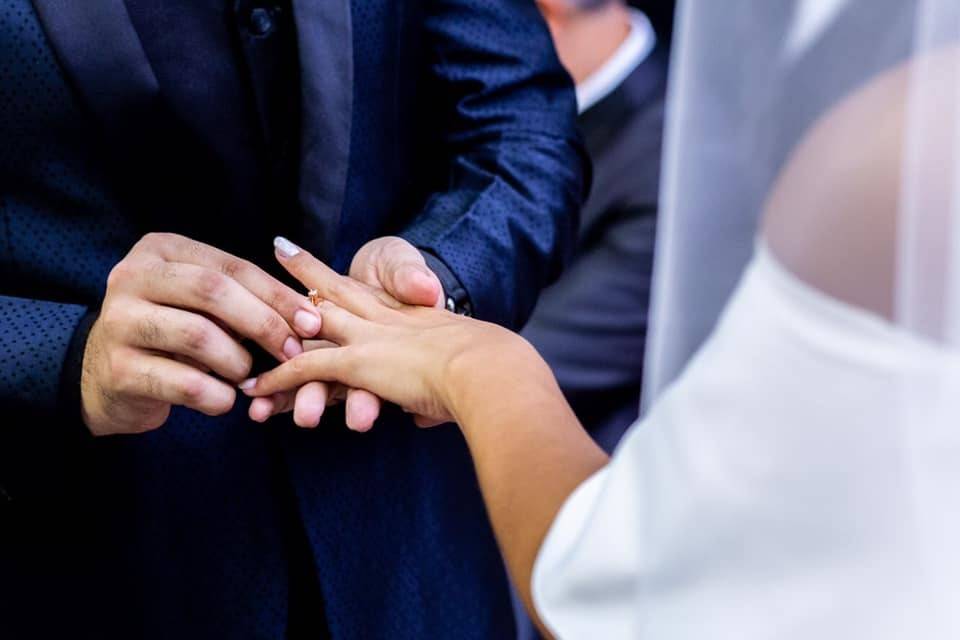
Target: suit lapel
(326, 87)
(100, 52)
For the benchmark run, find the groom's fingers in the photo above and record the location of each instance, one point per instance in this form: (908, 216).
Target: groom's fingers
(362, 410)
(310, 403)
(261, 409)
(413, 284)
(342, 290)
(291, 305)
(403, 272)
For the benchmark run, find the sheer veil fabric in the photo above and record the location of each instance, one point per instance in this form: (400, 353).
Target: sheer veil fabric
(795, 471)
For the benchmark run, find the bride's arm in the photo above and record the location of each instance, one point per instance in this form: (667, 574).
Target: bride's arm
(529, 450)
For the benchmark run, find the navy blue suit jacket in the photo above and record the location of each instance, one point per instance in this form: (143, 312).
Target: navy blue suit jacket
(449, 122)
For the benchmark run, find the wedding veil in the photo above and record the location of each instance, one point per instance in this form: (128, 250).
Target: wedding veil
(798, 478)
(749, 80)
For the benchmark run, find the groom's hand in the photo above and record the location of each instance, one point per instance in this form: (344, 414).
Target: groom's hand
(397, 267)
(390, 264)
(169, 333)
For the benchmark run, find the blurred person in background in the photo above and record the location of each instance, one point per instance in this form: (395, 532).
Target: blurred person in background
(591, 325)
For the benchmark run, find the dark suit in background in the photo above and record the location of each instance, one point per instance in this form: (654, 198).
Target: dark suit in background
(591, 325)
(331, 122)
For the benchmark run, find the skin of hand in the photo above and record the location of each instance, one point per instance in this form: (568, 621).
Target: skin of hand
(169, 330)
(396, 267)
(529, 450)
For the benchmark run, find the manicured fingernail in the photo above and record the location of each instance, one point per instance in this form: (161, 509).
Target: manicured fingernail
(292, 347)
(249, 383)
(284, 247)
(306, 322)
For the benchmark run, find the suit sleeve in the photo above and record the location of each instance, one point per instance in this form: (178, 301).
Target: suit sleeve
(505, 223)
(41, 349)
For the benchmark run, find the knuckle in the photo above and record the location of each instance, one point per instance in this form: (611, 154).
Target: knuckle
(150, 384)
(245, 366)
(119, 372)
(341, 288)
(298, 365)
(210, 285)
(193, 248)
(196, 336)
(271, 326)
(121, 273)
(111, 320)
(192, 388)
(155, 419)
(278, 297)
(161, 270)
(149, 331)
(234, 267)
(222, 405)
(119, 384)
(156, 239)
(148, 240)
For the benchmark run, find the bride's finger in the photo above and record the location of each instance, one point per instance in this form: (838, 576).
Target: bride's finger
(342, 290)
(327, 365)
(310, 345)
(339, 326)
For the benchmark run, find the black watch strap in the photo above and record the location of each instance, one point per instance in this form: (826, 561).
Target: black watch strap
(456, 299)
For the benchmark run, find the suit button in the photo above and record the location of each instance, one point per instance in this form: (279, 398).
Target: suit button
(261, 21)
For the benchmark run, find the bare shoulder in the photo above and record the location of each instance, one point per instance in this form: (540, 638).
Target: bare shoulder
(831, 217)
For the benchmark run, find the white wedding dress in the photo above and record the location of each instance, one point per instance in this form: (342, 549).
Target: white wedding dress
(800, 480)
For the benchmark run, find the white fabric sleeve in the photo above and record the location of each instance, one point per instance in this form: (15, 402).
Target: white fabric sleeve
(778, 490)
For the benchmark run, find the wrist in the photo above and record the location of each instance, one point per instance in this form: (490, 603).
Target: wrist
(75, 375)
(491, 374)
(90, 396)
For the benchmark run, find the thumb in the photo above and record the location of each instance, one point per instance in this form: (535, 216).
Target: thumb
(410, 281)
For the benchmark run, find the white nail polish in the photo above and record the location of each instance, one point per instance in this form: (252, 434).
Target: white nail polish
(249, 383)
(284, 247)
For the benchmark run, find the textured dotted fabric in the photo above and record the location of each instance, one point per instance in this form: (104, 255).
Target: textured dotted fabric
(39, 250)
(32, 348)
(206, 527)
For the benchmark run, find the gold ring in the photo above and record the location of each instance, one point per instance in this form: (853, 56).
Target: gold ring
(315, 298)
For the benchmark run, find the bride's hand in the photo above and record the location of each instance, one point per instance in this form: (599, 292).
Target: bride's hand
(417, 357)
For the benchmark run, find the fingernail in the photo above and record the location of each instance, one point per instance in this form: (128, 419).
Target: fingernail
(249, 383)
(292, 347)
(284, 247)
(306, 322)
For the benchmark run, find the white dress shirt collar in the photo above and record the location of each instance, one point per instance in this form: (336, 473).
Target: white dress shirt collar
(634, 50)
